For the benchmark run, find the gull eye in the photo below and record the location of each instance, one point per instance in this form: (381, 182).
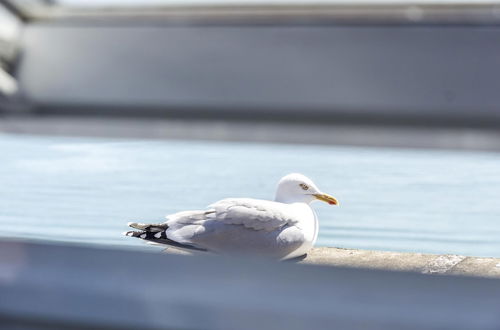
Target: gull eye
(304, 186)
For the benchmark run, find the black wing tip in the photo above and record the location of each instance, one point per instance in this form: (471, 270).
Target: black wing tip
(132, 233)
(148, 235)
(161, 238)
(148, 227)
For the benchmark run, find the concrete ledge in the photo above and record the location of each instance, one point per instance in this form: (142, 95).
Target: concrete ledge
(445, 264)
(448, 264)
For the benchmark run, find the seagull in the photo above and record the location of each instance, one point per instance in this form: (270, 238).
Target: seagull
(281, 229)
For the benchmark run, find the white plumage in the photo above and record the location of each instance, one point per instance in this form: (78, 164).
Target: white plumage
(282, 229)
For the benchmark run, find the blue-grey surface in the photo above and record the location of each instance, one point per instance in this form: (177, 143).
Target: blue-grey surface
(86, 189)
(81, 288)
(327, 69)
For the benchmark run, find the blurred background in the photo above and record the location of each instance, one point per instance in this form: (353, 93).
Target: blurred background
(112, 111)
(122, 110)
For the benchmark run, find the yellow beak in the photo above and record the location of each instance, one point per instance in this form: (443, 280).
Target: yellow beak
(326, 198)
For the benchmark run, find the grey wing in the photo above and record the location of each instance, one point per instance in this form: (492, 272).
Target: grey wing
(238, 225)
(253, 213)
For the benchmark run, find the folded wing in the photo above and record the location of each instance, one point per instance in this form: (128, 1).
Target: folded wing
(233, 225)
(239, 225)
(253, 213)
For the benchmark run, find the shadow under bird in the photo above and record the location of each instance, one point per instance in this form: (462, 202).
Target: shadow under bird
(281, 229)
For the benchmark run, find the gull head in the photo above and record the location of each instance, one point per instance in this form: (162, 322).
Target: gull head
(297, 188)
